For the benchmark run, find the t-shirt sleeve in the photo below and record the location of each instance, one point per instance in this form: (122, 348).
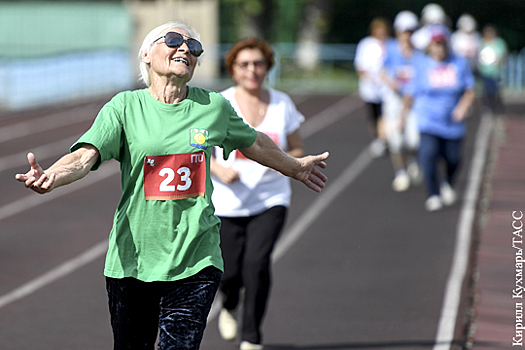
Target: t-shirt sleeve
(294, 118)
(358, 59)
(413, 85)
(238, 134)
(468, 77)
(105, 134)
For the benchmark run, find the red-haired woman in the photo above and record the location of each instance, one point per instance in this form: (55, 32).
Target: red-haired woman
(252, 200)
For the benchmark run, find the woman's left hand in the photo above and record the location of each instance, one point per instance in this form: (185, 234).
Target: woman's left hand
(310, 175)
(462, 108)
(459, 113)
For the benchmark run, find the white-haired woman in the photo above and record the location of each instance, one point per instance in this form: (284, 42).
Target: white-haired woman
(164, 262)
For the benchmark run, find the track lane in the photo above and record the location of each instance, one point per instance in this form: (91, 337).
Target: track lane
(352, 280)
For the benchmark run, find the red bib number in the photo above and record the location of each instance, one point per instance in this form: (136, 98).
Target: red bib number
(175, 176)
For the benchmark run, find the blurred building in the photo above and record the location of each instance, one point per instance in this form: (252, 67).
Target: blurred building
(54, 52)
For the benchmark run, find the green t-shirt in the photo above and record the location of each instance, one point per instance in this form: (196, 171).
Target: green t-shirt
(491, 58)
(156, 239)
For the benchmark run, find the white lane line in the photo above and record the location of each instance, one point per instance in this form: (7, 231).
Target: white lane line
(452, 298)
(42, 152)
(329, 194)
(303, 222)
(45, 123)
(58, 272)
(329, 116)
(34, 200)
(69, 266)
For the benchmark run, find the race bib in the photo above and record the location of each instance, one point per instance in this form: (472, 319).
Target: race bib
(443, 76)
(175, 176)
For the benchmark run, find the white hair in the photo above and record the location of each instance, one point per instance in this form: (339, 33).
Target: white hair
(466, 23)
(433, 13)
(155, 34)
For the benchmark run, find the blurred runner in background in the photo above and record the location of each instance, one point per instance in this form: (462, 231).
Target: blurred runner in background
(492, 60)
(465, 41)
(370, 54)
(441, 92)
(403, 140)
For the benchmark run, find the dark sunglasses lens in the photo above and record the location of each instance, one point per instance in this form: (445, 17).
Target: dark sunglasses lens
(173, 39)
(195, 47)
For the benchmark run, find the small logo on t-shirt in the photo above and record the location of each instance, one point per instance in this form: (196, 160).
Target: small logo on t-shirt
(199, 138)
(404, 74)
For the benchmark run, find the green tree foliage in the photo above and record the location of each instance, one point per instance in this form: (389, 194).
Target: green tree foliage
(281, 20)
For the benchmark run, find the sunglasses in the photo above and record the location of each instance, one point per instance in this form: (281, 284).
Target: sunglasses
(174, 40)
(256, 64)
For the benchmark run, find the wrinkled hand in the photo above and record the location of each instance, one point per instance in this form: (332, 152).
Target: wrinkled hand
(35, 178)
(310, 175)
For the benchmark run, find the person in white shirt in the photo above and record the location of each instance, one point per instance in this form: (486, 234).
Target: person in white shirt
(403, 140)
(252, 200)
(368, 62)
(465, 41)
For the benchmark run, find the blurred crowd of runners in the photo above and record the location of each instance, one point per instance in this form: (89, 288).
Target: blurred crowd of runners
(419, 86)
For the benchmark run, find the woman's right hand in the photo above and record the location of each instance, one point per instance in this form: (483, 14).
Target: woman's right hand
(226, 175)
(36, 179)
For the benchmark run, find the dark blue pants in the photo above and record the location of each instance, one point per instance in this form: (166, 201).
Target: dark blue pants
(432, 149)
(491, 94)
(247, 244)
(179, 309)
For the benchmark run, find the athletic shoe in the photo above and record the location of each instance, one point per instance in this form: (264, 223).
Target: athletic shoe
(415, 173)
(245, 345)
(228, 324)
(377, 148)
(447, 193)
(401, 181)
(433, 203)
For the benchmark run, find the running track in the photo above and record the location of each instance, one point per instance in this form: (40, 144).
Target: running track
(358, 266)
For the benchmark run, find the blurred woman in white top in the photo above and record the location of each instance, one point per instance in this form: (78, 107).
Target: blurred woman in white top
(465, 41)
(368, 62)
(252, 200)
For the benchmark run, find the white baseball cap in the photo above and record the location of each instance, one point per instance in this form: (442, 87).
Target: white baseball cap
(466, 23)
(433, 13)
(405, 21)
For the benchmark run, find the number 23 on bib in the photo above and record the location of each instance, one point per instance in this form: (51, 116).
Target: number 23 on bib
(175, 176)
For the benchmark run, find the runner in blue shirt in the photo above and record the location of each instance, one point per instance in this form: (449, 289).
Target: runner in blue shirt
(398, 72)
(441, 94)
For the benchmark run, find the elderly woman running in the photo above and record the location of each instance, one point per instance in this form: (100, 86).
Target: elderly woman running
(164, 262)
